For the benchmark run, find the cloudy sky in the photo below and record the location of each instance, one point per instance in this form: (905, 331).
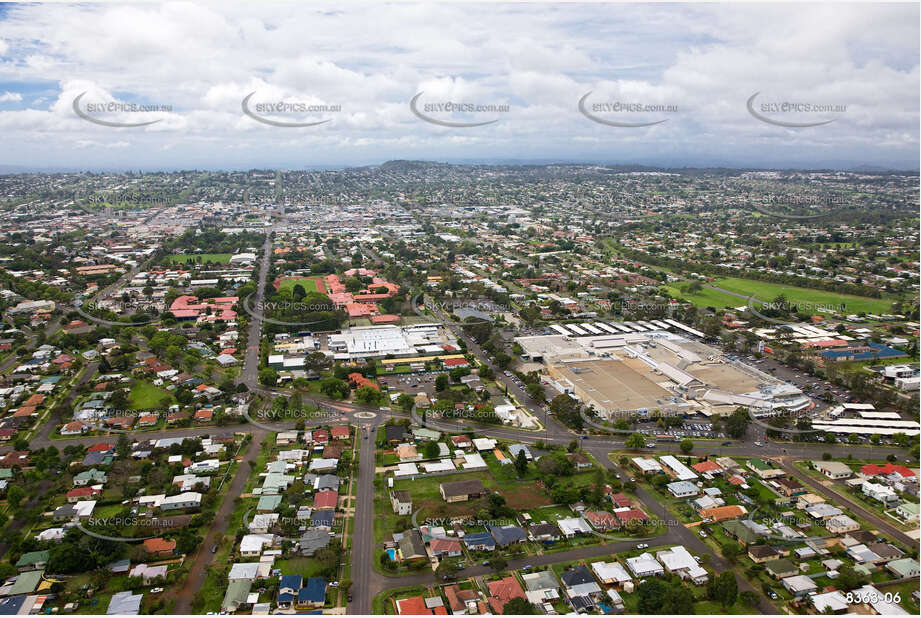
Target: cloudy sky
(686, 73)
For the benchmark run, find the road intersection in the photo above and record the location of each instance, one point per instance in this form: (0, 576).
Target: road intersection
(367, 582)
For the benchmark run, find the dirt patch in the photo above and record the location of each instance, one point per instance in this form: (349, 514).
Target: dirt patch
(525, 497)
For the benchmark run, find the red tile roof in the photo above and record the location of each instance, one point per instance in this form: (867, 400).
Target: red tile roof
(502, 591)
(159, 545)
(873, 470)
(707, 466)
(326, 499)
(413, 606)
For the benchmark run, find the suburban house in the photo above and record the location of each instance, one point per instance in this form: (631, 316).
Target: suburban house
(833, 469)
(461, 491)
(401, 502)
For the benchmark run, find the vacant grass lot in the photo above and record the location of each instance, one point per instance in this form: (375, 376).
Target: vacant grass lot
(766, 292)
(706, 298)
(146, 396)
(307, 283)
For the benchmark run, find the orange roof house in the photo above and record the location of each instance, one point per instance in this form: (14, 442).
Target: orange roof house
(159, 546)
(707, 466)
(35, 400)
(722, 513)
(502, 591)
(211, 310)
(203, 416)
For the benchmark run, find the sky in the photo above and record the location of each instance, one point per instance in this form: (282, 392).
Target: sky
(698, 85)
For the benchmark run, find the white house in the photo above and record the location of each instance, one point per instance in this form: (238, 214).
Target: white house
(879, 492)
(185, 500)
(645, 565)
(251, 545)
(679, 561)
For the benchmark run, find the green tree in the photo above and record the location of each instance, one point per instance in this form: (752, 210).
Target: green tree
(431, 450)
(405, 402)
(521, 463)
(519, 607)
(498, 563)
(442, 382)
(635, 441)
(686, 446)
(268, 376)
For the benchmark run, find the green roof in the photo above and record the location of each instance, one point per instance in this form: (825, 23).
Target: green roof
(236, 594)
(909, 507)
(780, 566)
(26, 582)
(759, 463)
(268, 503)
(740, 531)
(33, 557)
(903, 567)
(6, 473)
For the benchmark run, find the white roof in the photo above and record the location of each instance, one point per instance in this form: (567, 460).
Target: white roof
(611, 570)
(573, 525)
(830, 600)
(255, 542)
(484, 444)
(798, 583)
(445, 465)
(406, 469)
(644, 564)
(878, 600)
(680, 559)
(473, 460)
(647, 464)
(243, 570)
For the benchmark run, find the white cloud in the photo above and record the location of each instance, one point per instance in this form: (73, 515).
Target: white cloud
(202, 59)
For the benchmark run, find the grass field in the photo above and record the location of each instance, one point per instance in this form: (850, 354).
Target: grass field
(306, 282)
(217, 258)
(706, 298)
(146, 396)
(766, 292)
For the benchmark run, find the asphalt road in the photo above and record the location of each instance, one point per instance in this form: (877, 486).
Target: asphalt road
(201, 561)
(366, 581)
(836, 498)
(249, 375)
(686, 537)
(362, 560)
